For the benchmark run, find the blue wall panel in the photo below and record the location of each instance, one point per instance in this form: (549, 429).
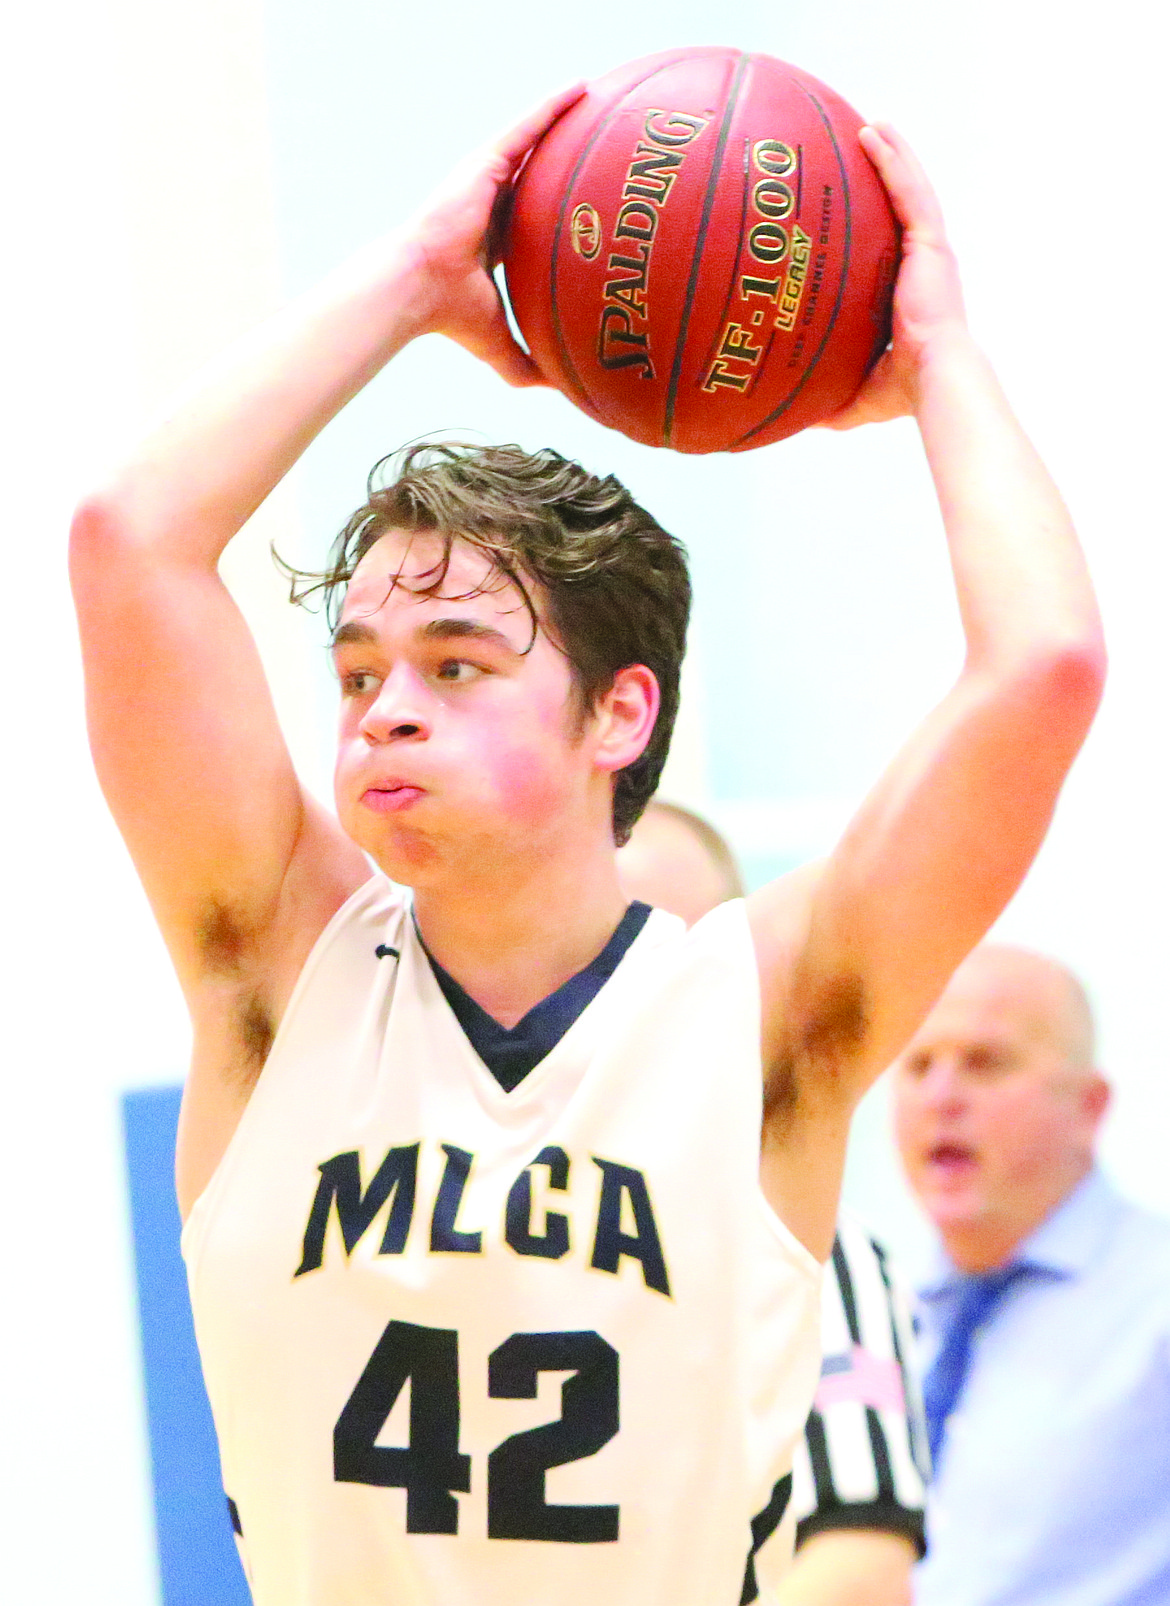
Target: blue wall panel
(197, 1556)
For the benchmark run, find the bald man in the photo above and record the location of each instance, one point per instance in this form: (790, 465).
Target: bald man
(857, 1510)
(1046, 1319)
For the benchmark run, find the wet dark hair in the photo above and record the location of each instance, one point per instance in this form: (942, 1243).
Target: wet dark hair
(617, 588)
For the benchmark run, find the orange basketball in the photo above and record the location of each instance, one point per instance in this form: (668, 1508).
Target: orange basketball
(700, 254)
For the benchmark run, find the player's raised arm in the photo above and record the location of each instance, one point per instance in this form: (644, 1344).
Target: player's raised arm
(183, 730)
(944, 839)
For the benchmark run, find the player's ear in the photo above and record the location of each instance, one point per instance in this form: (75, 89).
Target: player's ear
(624, 716)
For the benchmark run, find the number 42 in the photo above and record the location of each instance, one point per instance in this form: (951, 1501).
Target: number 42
(431, 1468)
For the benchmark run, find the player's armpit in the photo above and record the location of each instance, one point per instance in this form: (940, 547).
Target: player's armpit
(929, 862)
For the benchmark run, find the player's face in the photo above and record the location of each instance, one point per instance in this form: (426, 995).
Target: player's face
(461, 741)
(992, 1123)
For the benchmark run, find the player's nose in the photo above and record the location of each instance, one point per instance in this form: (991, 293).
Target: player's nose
(400, 712)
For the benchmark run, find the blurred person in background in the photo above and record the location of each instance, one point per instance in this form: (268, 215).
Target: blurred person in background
(858, 1492)
(1046, 1319)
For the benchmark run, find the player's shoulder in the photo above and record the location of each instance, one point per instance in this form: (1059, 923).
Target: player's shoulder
(713, 962)
(370, 917)
(722, 934)
(725, 924)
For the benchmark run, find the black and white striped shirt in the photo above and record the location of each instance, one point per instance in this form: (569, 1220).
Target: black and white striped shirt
(863, 1462)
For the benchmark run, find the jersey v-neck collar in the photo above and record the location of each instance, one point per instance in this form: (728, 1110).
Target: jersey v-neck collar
(511, 1052)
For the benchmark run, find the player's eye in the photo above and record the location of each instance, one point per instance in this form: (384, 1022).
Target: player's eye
(359, 683)
(457, 670)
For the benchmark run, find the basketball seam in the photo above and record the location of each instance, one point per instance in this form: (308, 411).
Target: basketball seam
(842, 280)
(558, 330)
(562, 346)
(697, 258)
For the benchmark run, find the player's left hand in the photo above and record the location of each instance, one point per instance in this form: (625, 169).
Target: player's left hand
(928, 299)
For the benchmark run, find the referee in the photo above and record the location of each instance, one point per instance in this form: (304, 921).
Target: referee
(858, 1495)
(859, 1491)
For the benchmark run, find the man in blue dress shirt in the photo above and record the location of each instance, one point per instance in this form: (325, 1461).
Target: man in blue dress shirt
(1046, 1320)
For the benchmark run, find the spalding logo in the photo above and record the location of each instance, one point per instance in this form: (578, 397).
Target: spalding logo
(585, 231)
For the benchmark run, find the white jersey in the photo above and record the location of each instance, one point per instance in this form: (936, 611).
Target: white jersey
(472, 1346)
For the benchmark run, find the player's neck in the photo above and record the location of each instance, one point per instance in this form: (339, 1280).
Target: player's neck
(545, 924)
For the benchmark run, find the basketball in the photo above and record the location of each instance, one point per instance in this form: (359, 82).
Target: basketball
(699, 253)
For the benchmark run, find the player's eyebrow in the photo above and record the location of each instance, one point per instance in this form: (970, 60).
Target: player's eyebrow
(353, 633)
(466, 630)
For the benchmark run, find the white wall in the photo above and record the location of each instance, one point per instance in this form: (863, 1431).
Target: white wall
(169, 165)
(140, 237)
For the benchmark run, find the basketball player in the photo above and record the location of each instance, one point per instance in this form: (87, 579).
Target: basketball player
(858, 1488)
(500, 1295)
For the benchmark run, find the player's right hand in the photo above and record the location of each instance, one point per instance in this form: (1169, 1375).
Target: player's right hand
(454, 246)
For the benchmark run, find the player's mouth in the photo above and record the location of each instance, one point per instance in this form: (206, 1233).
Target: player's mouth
(952, 1162)
(391, 797)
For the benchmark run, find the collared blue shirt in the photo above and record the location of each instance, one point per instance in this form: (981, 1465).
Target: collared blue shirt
(1053, 1486)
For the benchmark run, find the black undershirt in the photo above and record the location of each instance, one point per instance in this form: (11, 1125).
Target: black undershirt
(511, 1052)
